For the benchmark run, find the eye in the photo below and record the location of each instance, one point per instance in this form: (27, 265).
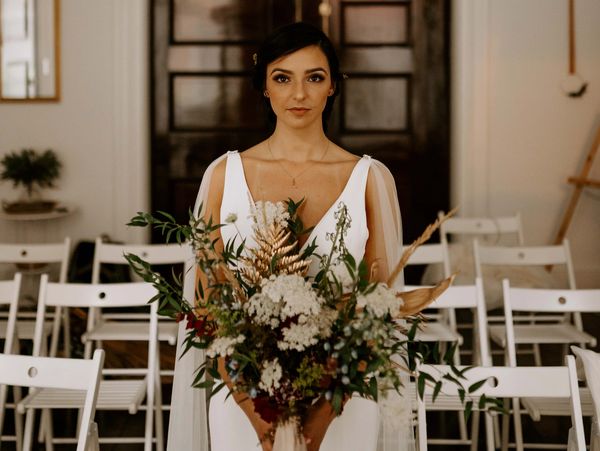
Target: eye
(281, 78)
(315, 78)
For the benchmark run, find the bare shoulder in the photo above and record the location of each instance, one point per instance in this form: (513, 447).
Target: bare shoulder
(338, 154)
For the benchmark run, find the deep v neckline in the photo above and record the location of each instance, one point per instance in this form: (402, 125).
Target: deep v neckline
(333, 205)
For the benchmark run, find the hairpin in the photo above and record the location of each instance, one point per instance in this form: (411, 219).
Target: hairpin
(255, 58)
(345, 76)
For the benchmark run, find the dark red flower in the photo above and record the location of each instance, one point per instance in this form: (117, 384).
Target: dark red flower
(267, 410)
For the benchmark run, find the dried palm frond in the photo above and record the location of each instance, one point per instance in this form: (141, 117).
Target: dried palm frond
(417, 300)
(274, 254)
(411, 249)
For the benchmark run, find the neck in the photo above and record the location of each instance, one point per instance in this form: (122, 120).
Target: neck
(299, 145)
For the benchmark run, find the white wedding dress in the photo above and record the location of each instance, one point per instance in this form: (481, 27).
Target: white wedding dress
(360, 427)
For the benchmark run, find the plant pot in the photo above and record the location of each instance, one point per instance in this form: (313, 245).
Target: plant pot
(34, 206)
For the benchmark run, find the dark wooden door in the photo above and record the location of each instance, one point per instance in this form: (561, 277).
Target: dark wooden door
(394, 103)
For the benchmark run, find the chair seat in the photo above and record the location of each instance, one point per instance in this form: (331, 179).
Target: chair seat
(132, 330)
(25, 329)
(438, 331)
(112, 395)
(542, 334)
(536, 407)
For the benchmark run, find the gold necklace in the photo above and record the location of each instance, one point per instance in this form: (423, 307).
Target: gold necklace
(294, 177)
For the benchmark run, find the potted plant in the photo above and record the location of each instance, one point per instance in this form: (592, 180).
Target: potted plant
(33, 171)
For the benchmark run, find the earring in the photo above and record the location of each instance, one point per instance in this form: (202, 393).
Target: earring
(266, 93)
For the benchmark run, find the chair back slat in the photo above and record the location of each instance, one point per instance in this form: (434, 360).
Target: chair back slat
(42, 372)
(38, 253)
(135, 294)
(483, 226)
(154, 254)
(552, 300)
(522, 255)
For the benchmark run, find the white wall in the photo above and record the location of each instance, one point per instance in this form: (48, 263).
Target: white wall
(516, 136)
(99, 127)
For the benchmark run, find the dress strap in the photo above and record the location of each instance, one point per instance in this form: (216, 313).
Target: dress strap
(358, 180)
(234, 175)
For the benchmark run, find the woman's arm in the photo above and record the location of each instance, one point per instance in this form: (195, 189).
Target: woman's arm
(384, 245)
(211, 209)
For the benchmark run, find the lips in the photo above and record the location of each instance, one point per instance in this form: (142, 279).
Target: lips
(299, 111)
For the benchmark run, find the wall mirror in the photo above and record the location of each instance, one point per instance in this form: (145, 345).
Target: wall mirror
(29, 50)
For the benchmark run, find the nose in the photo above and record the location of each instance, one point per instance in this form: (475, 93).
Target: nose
(299, 91)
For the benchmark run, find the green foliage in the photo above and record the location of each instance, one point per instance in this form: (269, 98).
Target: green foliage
(28, 168)
(359, 357)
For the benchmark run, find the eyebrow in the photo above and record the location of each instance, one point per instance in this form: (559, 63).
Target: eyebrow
(285, 71)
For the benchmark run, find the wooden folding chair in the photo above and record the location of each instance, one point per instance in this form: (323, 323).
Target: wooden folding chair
(132, 385)
(509, 382)
(565, 328)
(546, 301)
(68, 375)
(9, 297)
(35, 255)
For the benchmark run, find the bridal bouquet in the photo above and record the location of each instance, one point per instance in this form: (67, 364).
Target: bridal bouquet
(288, 340)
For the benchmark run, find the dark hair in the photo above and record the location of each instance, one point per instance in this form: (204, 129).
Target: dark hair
(286, 40)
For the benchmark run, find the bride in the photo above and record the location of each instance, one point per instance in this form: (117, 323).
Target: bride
(297, 72)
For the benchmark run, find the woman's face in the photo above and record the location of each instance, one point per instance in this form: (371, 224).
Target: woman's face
(298, 85)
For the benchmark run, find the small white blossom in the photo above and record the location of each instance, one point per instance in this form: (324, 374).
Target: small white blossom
(231, 218)
(223, 346)
(270, 376)
(264, 214)
(263, 309)
(295, 295)
(380, 301)
(298, 337)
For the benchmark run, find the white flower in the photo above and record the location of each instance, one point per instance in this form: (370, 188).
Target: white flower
(380, 301)
(340, 271)
(270, 376)
(264, 310)
(264, 214)
(223, 346)
(299, 337)
(295, 295)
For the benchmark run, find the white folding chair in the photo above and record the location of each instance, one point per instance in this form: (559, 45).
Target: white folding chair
(543, 301)
(126, 392)
(461, 297)
(68, 375)
(40, 254)
(505, 230)
(555, 328)
(493, 228)
(444, 330)
(9, 297)
(509, 382)
(121, 325)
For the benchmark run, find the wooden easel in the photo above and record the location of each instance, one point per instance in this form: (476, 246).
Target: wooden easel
(580, 181)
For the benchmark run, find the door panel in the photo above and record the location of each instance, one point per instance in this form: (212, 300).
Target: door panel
(394, 104)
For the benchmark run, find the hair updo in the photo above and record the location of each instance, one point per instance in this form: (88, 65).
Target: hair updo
(286, 40)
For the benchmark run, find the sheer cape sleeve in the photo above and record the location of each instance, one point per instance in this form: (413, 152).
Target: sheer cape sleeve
(188, 421)
(396, 431)
(384, 220)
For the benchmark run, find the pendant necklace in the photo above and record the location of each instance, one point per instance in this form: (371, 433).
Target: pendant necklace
(290, 175)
